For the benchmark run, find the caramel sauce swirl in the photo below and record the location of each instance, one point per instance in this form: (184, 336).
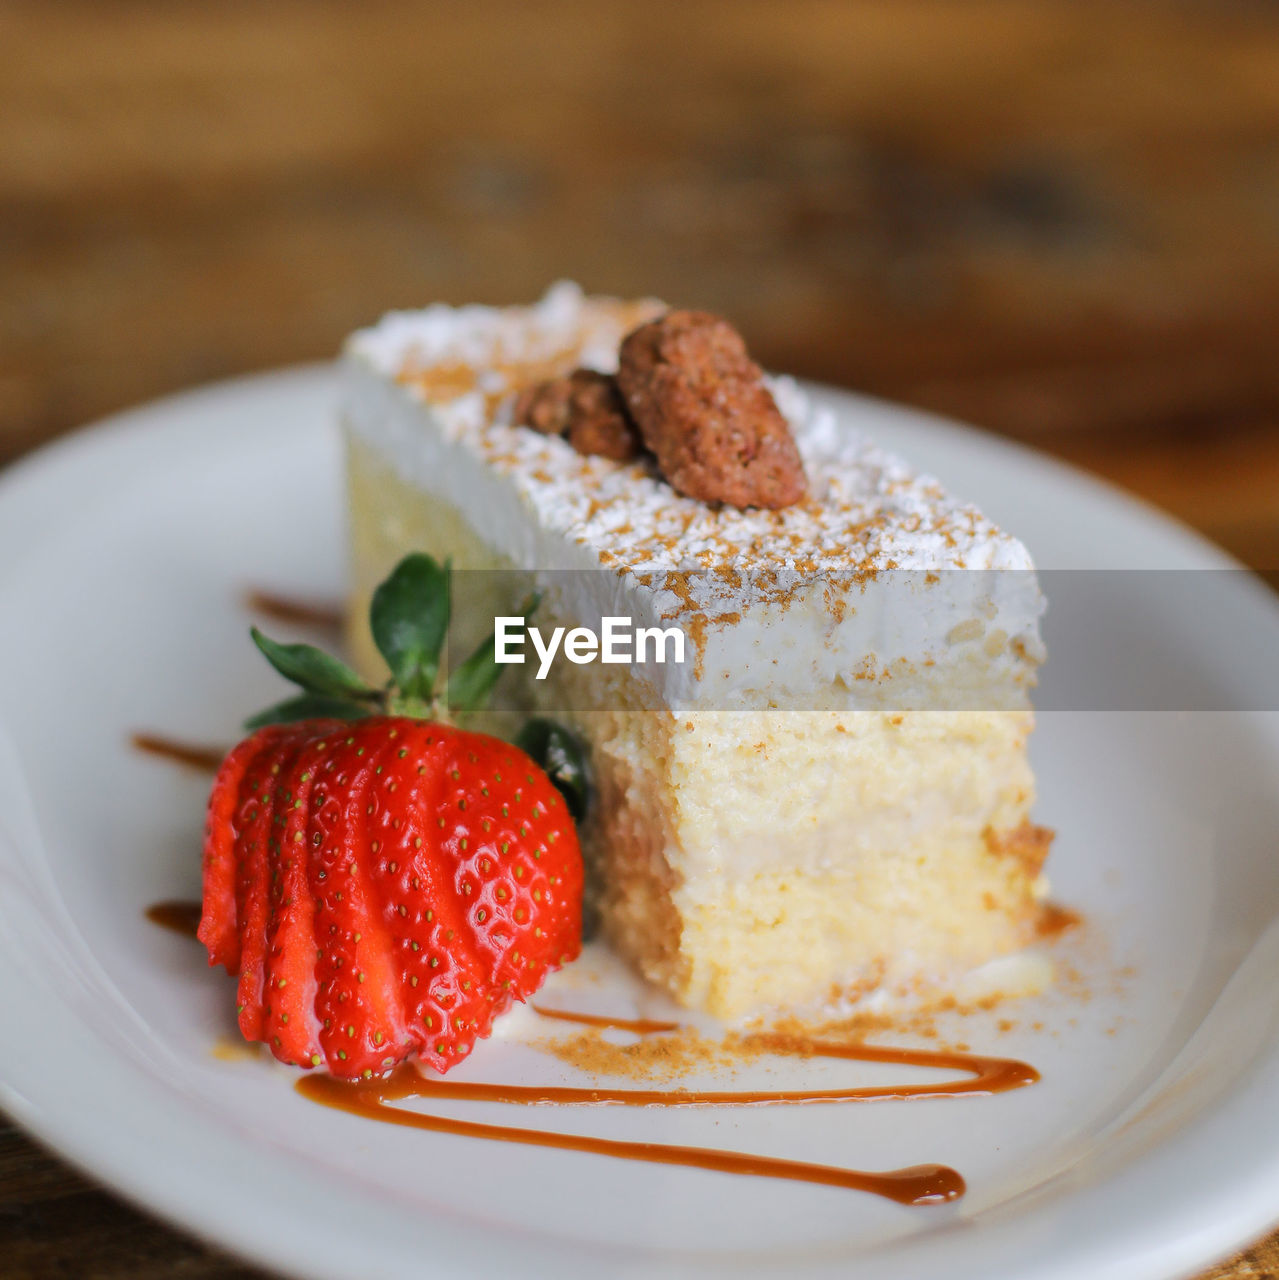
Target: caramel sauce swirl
(193, 755)
(178, 916)
(310, 613)
(640, 1026)
(917, 1185)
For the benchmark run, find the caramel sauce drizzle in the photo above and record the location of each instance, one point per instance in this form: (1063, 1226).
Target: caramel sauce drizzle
(985, 1076)
(916, 1185)
(640, 1026)
(311, 613)
(193, 755)
(1054, 920)
(176, 915)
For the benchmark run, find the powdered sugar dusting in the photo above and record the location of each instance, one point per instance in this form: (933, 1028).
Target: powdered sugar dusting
(491, 340)
(867, 509)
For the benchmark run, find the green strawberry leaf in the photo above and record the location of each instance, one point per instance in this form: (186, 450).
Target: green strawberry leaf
(308, 706)
(312, 669)
(471, 682)
(409, 618)
(562, 756)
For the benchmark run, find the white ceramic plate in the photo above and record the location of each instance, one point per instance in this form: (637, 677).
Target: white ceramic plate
(1150, 1147)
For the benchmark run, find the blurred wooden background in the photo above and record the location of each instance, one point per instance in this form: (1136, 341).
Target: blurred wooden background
(1059, 220)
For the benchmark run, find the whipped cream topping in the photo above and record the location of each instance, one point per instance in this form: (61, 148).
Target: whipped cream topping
(432, 390)
(868, 509)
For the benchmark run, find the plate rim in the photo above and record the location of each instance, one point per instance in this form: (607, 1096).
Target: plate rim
(176, 1199)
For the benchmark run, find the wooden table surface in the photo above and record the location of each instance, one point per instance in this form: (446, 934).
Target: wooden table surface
(1058, 220)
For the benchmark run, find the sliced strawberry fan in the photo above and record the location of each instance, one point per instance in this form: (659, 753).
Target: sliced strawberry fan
(381, 882)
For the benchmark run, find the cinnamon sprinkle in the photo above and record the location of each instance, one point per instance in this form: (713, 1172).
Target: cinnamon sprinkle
(657, 1058)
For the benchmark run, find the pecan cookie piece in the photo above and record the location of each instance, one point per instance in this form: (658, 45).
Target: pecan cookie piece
(544, 406)
(586, 408)
(701, 406)
(597, 420)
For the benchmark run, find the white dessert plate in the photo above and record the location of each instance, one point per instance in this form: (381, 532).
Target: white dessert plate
(1149, 1148)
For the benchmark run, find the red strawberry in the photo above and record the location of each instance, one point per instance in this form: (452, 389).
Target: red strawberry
(388, 885)
(218, 927)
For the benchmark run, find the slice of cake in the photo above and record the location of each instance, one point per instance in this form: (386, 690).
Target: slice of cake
(830, 796)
